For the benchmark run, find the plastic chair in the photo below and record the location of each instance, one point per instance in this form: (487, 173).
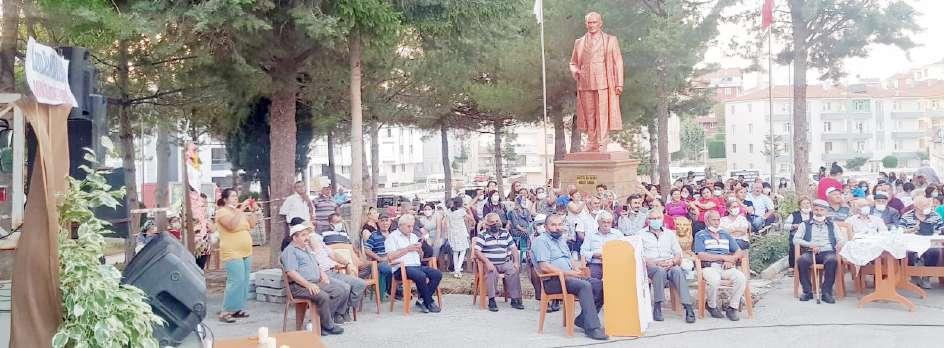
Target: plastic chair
(301, 305)
(839, 285)
(408, 288)
(480, 286)
(568, 299)
(347, 251)
(744, 265)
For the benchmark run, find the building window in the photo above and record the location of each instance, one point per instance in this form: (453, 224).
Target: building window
(860, 147)
(389, 132)
(750, 128)
(827, 127)
(861, 105)
(734, 128)
(218, 159)
(750, 148)
(411, 148)
(750, 166)
(860, 127)
(827, 106)
(749, 107)
(727, 92)
(403, 168)
(401, 149)
(828, 147)
(732, 109)
(896, 106)
(786, 127)
(898, 145)
(734, 148)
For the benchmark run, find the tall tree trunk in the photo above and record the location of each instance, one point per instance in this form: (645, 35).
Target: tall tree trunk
(374, 161)
(367, 180)
(801, 141)
(574, 135)
(10, 24)
(282, 137)
(332, 164)
(560, 144)
(126, 139)
(357, 135)
(161, 196)
(234, 177)
(662, 112)
(499, 172)
(447, 167)
(653, 154)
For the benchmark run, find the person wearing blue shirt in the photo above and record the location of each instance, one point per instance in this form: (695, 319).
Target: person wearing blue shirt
(552, 255)
(719, 254)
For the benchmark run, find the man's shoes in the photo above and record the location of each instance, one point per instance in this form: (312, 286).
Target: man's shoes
(433, 308)
(806, 297)
(339, 319)
(347, 317)
(657, 311)
(828, 298)
(579, 323)
(492, 306)
(597, 334)
(516, 303)
(715, 313)
(689, 314)
(334, 330)
(554, 306)
(422, 307)
(731, 313)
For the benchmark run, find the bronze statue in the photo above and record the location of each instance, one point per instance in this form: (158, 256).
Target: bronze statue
(597, 66)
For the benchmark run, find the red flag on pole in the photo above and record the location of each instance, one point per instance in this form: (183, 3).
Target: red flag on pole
(767, 13)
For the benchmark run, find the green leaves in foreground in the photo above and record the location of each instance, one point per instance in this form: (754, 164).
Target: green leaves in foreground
(98, 311)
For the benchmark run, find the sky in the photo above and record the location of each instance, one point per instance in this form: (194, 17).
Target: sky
(883, 61)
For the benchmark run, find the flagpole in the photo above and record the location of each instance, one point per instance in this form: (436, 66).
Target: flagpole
(544, 90)
(770, 102)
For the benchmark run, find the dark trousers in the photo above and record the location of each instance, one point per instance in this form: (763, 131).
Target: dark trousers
(426, 280)
(791, 256)
(828, 259)
(743, 244)
(331, 299)
(932, 257)
(202, 261)
(587, 291)
(596, 270)
(675, 277)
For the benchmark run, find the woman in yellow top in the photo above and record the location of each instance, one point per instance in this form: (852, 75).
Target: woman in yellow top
(233, 221)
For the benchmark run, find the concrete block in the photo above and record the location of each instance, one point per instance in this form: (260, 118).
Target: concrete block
(270, 291)
(271, 278)
(270, 298)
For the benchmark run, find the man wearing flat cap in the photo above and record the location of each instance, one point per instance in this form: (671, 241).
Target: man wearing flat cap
(881, 209)
(821, 236)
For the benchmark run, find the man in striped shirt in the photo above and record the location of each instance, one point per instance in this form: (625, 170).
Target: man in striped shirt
(324, 207)
(496, 251)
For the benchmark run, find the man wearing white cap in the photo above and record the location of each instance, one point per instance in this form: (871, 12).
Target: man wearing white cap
(821, 236)
(307, 281)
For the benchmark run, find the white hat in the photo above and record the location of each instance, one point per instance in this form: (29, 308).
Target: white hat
(299, 228)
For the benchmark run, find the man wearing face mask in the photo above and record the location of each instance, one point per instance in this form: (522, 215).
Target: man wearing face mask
(545, 203)
(494, 205)
(719, 254)
(663, 256)
(763, 207)
(495, 249)
(552, 255)
(821, 236)
(890, 216)
(337, 234)
(632, 217)
(863, 222)
(923, 220)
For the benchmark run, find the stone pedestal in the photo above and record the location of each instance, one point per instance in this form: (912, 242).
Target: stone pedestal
(586, 170)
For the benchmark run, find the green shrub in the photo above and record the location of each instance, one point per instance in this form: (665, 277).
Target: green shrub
(767, 249)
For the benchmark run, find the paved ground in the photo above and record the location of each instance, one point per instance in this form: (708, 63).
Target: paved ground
(780, 321)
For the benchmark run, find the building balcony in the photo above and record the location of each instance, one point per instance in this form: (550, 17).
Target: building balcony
(844, 156)
(907, 114)
(908, 134)
(845, 115)
(834, 136)
(860, 136)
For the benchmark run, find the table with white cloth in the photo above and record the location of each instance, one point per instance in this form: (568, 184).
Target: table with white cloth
(888, 252)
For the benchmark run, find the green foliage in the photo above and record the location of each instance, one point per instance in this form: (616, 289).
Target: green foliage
(788, 203)
(856, 163)
(767, 249)
(890, 162)
(692, 138)
(98, 311)
(247, 146)
(716, 148)
(922, 155)
(773, 147)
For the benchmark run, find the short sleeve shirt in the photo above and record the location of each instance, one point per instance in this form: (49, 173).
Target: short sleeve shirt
(495, 247)
(301, 261)
(705, 243)
(396, 241)
(375, 243)
(554, 251)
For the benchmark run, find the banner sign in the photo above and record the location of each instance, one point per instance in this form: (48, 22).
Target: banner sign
(47, 75)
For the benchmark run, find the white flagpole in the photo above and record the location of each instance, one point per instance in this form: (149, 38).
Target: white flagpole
(544, 88)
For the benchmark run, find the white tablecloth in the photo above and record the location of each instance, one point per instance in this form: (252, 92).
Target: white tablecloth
(865, 249)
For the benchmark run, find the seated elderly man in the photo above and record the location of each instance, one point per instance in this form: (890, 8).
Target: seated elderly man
(592, 248)
(335, 266)
(821, 236)
(923, 220)
(552, 255)
(308, 281)
(863, 222)
(496, 250)
(719, 254)
(663, 255)
(889, 215)
(403, 250)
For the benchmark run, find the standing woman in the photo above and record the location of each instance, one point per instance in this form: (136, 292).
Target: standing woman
(458, 233)
(233, 221)
(430, 219)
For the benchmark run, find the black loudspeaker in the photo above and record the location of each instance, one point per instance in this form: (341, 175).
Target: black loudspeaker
(118, 217)
(80, 137)
(175, 286)
(82, 78)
